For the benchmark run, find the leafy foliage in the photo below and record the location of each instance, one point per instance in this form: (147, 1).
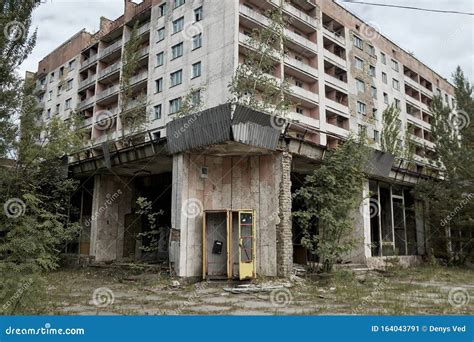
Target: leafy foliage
(145, 208)
(133, 105)
(328, 197)
(451, 199)
(34, 188)
(254, 83)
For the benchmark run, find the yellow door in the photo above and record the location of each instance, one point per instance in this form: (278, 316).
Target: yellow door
(246, 244)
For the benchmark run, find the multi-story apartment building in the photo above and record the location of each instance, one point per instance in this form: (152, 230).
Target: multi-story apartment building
(224, 176)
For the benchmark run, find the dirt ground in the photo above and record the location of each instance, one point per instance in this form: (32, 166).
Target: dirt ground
(424, 290)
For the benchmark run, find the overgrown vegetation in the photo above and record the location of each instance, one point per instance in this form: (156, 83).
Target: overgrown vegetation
(255, 84)
(450, 198)
(34, 188)
(329, 196)
(152, 234)
(132, 104)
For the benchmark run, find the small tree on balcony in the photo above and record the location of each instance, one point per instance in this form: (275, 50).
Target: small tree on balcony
(133, 105)
(254, 84)
(391, 138)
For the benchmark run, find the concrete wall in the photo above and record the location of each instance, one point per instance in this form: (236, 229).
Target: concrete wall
(112, 200)
(234, 182)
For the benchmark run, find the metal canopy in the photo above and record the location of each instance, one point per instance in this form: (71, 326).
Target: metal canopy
(217, 125)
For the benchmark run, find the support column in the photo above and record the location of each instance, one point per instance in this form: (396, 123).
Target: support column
(284, 228)
(111, 201)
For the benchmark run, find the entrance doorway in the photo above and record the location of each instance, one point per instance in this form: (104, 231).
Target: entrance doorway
(229, 244)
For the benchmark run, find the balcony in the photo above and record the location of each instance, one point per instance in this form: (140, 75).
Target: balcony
(91, 60)
(298, 18)
(143, 29)
(304, 119)
(40, 88)
(305, 95)
(87, 82)
(108, 92)
(412, 83)
(337, 38)
(302, 67)
(337, 130)
(87, 102)
(336, 60)
(104, 137)
(139, 78)
(144, 52)
(299, 41)
(110, 70)
(87, 122)
(336, 83)
(336, 107)
(110, 49)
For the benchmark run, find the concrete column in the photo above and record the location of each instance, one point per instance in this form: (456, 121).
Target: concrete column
(111, 201)
(361, 232)
(284, 232)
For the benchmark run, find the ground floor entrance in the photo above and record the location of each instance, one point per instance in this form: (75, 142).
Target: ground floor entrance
(229, 244)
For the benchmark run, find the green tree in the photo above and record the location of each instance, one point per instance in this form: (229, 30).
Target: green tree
(34, 188)
(328, 197)
(450, 197)
(16, 43)
(254, 84)
(133, 104)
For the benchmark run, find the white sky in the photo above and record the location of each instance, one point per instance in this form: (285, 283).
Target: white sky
(442, 41)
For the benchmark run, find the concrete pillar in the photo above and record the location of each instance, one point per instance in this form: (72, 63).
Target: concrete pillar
(111, 201)
(361, 232)
(284, 232)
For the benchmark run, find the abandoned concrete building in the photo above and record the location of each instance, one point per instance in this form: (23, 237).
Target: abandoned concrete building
(224, 177)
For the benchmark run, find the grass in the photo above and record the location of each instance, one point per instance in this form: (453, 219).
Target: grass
(414, 291)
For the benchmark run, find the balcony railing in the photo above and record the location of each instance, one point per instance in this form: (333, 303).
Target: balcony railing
(138, 78)
(92, 59)
(108, 50)
(108, 92)
(296, 14)
(143, 29)
(87, 102)
(336, 36)
(40, 88)
(303, 67)
(305, 94)
(338, 61)
(110, 69)
(338, 107)
(87, 81)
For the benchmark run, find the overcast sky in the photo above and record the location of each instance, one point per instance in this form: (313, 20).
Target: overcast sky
(442, 41)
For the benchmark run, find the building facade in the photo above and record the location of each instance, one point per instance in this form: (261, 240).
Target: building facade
(209, 171)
